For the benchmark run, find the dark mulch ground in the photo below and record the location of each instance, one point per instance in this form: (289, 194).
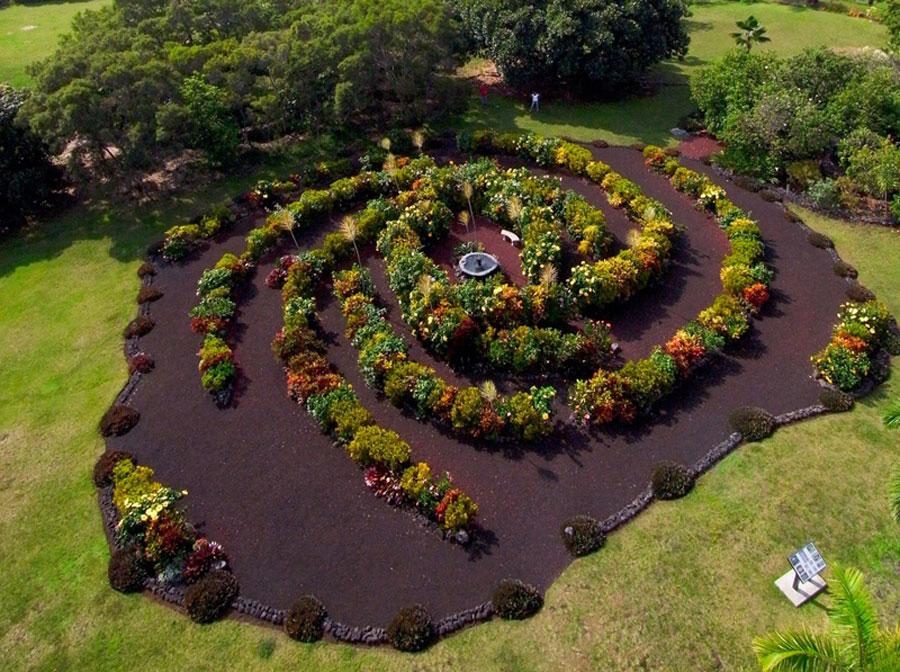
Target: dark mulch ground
(292, 510)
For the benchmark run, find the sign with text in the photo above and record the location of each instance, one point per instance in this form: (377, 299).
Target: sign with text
(807, 562)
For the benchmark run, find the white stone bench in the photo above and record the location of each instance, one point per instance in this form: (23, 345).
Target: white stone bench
(510, 237)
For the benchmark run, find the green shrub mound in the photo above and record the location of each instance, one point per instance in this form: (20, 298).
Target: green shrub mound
(769, 195)
(638, 146)
(515, 600)
(819, 240)
(752, 422)
(747, 183)
(148, 294)
(600, 144)
(892, 344)
(859, 293)
(880, 369)
(126, 571)
(103, 469)
(671, 480)
(582, 535)
(836, 400)
(146, 269)
(305, 620)
(210, 598)
(118, 420)
(845, 270)
(791, 216)
(412, 629)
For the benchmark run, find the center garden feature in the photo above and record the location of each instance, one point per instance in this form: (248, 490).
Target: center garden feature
(367, 316)
(478, 264)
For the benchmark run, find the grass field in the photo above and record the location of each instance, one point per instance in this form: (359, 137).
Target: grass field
(684, 587)
(650, 119)
(29, 33)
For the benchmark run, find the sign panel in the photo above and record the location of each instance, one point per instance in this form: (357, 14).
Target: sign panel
(807, 562)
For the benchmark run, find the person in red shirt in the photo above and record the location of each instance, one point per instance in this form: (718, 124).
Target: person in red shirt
(484, 93)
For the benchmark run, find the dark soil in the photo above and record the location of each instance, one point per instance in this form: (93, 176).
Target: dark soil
(292, 510)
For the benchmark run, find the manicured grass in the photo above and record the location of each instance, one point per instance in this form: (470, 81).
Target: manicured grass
(649, 119)
(29, 33)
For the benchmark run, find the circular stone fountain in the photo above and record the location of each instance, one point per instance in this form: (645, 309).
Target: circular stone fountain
(478, 264)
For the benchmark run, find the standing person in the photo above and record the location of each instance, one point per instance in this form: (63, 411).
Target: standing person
(535, 102)
(484, 93)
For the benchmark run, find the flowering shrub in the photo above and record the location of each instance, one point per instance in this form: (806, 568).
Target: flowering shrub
(216, 364)
(861, 330)
(205, 556)
(456, 509)
(685, 349)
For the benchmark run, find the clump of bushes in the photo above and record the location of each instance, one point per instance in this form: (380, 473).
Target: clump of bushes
(210, 598)
(139, 326)
(103, 469)
(582, 535)
(412, 629)
(671, 480)
(373, 445)
(515, 600)
(845, 270)
(146, 269)
(205, 557)
(819, 240)
(305, 620)
(118, 420)
(140, 363)
(148, 294)
(752, 422)
(863, 329)
(126, 571)
(859, 293)
(600, 144)
(836, 400)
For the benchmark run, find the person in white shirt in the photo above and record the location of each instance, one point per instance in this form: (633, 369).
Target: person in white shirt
(535, 102)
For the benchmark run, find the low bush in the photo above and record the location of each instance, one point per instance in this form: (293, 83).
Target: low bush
(769, 195)
(118, 420)
(859, 293)
(600, 144)
(148, 294)
(752, 422)
(373, 445)
(638, 146)
(412, 629)
(140, 363)
(205, 556)
(819, 240)
(845, 270)
(305, 620)
(671, 480)
(582, 535)
(747, 183)
(146, 269)
(515, 600)
(103, 469)
(126, 571)
(210, 598)
(835, 400)
(139, 326)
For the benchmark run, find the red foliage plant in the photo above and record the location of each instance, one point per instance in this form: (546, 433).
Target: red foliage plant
(756, 295)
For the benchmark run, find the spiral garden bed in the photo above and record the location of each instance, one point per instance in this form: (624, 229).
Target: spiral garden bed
(276, 478)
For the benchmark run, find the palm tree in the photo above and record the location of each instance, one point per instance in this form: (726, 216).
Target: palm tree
(751, 33)
(350, 231)
(468, 191)
(855, 641)
(894, 492)
(892, 415)
(284, 221)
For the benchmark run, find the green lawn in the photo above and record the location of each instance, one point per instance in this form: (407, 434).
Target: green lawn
(684, 587)
(29, 33)
(649, 119)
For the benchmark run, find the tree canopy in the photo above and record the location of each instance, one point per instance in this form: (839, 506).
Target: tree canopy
(141, 78)
(593, 46)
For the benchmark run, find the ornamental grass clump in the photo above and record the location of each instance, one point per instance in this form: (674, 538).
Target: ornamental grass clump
(582, 535)
(515, 600)
(753, 423)
(305, 620)
(671, 480)
(211, 597)
(412, 629)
